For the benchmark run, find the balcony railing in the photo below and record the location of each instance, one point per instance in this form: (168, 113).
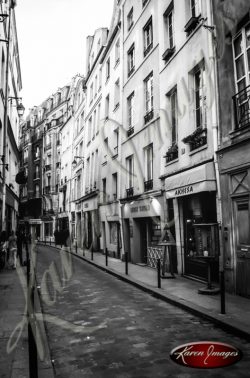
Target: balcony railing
(197, 139)
(47, 189)
(130, 192)
(242, 108)
(58, 164)
(172, 153)
(47, 167)
(148, 185)
(132, 69)
(148, 48)
(36, 176)
(48, 146)
(149, 116)
(130, 131)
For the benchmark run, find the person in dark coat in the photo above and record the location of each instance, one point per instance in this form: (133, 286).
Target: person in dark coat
(20, 246)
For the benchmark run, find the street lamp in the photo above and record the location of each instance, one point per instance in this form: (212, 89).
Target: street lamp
(19, 107)
(74, 162)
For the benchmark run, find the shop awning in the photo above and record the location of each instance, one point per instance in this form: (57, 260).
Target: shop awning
(195, 180)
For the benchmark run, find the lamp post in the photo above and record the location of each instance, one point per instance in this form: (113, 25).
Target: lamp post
(20, 110)
(74, 162)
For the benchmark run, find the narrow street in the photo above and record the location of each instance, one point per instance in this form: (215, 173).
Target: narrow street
(99, 326)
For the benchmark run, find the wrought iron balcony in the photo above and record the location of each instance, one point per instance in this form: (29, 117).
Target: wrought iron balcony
(148, 185)
(132, 69)
(148, 48)
(172, 153)
(130, 192)
(36, 176)
(130, 131)
(47, 167)
(47, 189)
(197, 139)
(58, 164)
(48, 146)
(242, 108)
(149, 116)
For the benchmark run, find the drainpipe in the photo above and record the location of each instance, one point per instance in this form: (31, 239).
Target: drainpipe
(215, 121)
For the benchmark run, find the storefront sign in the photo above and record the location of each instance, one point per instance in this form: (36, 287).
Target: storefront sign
(140, 208)
(184, 191)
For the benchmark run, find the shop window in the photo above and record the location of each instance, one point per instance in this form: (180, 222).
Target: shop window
(241, 48)
(243, 222)
(148, 36)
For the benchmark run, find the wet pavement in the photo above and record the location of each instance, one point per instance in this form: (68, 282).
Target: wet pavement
(99, 326)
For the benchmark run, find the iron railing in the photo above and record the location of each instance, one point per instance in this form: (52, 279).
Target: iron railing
(242, 108)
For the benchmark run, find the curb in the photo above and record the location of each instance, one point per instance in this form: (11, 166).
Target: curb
(228, 324)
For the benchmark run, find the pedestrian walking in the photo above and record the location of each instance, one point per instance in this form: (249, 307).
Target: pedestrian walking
(20, 246)
(12, 250)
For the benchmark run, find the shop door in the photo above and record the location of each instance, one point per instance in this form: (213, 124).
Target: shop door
(89, 225)
(242, 236)
(144, 243)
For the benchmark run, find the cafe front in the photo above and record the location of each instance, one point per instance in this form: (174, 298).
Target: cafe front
(193, 195)
(143, 221)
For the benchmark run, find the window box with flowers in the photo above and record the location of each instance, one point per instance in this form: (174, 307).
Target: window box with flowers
(172, 153)
(197, 139)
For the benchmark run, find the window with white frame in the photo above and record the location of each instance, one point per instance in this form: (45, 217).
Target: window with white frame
(94, 124)
(148, 36)
(149, 95)
(107, 107)
(195, 8)
(130, 101)
(169, 25)
(108, 69)
(148, 160)
(241, 49)
(117, 94)
(89, 129)
(200, 100)
(100, 78)
(117, 51)
(130, 18)
(98, 118)
(91, 92)
(131, 60)
(172, 96)
(130, 171)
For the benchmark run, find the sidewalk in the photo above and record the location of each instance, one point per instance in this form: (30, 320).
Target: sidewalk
(14, 361)
(181, 291)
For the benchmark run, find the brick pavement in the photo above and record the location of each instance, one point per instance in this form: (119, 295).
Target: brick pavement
(14, 363)
(99, 326)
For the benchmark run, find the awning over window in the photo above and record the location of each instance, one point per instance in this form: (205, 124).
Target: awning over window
(198, 179)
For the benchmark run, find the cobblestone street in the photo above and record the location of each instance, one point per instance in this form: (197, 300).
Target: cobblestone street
(99, 326)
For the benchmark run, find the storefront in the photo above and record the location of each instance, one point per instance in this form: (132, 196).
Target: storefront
(143, 222)
(111, 229)
(234, 164)
(90, 223)
(193, 194)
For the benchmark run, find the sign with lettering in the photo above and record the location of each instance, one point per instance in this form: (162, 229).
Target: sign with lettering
(184, 191)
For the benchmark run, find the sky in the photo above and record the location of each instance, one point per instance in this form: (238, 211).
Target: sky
(52, 41)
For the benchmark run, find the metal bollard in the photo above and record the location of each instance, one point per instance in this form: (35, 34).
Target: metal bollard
(106, 256)
(222, 292)
(50, 241)
(159, 272)
(126, 263)
(92, 254)
(76, 247)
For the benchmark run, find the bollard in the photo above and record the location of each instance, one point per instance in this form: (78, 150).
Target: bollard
(106, 256)
(45, 241)
(92, 254)
(33, 367)
(159, 272)
(76, 247)
(126, 263)
(222, 293)
(50, 241)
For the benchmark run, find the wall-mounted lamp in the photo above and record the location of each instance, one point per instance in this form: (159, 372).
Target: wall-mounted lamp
(74, 162)
(20, 108)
